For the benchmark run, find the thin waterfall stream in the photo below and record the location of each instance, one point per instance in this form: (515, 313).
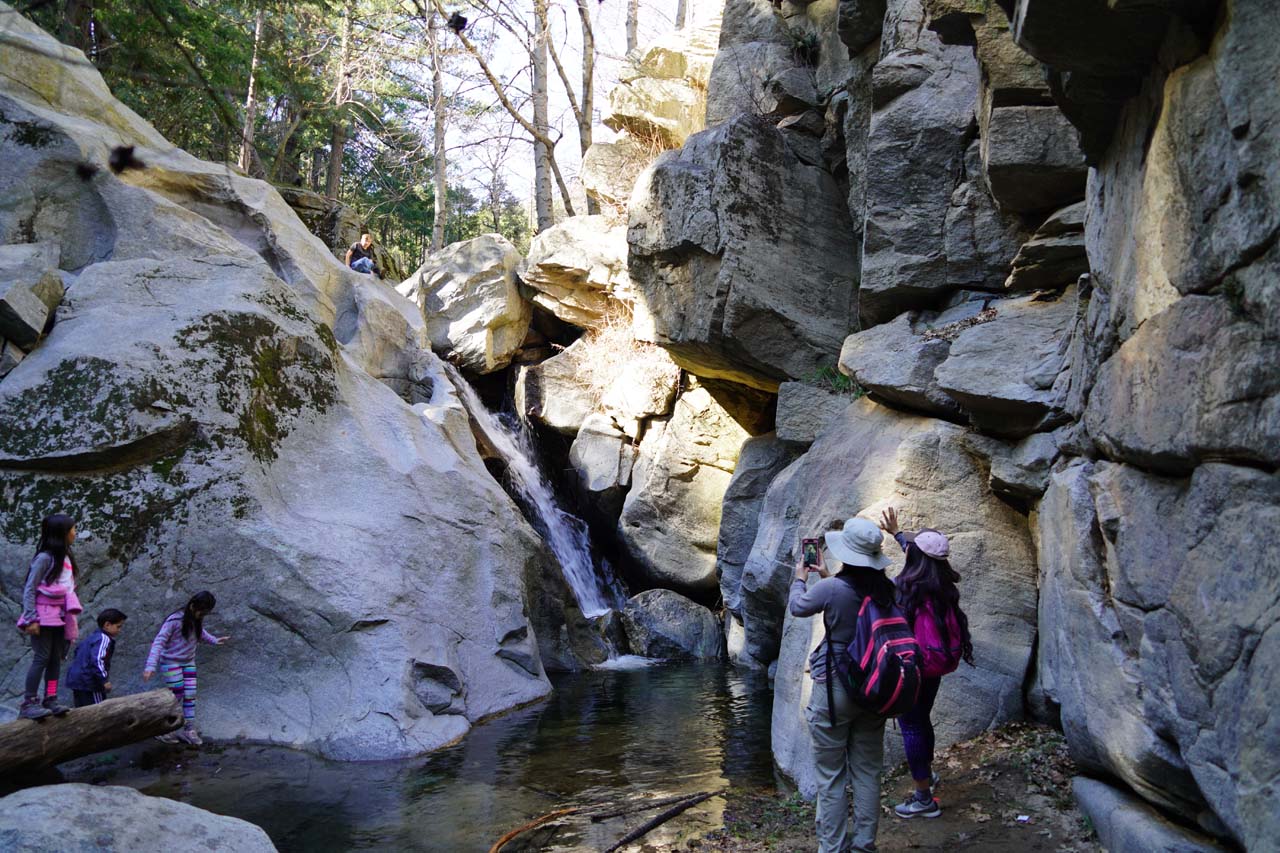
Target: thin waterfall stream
(565, 533)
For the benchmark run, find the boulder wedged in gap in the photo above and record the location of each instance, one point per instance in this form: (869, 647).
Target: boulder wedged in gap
(554, 392)
(1009, 374)
(578, 270)
(804, 409)
(470, 299)
(1055, 256)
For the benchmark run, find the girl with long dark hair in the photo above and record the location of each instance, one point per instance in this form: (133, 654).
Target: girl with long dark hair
(929, 598)
(848, 741)
(49, 609)
(173, 652)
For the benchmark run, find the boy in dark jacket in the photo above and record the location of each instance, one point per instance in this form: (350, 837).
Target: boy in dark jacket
(90, 675)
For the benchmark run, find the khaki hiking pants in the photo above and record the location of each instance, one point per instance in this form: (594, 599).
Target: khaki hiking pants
(851, 752)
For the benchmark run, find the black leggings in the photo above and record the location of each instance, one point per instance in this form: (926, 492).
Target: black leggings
(49, 647)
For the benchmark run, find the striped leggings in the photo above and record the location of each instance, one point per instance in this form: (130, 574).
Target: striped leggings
(181, 679)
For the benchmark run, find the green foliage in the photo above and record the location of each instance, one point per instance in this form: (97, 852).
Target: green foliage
(829, 378)
(184, 66)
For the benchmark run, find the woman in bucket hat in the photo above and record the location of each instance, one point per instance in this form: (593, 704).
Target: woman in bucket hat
(848, 742)
(929, 598)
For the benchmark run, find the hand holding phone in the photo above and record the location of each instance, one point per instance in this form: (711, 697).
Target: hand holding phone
(809, 553)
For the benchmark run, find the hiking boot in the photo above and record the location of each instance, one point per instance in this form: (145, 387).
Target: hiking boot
(189, 735)
(51, 705)
(168, 737)
(32, 710)
(916, 807)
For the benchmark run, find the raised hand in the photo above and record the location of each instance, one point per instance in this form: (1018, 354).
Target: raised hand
(889, 521)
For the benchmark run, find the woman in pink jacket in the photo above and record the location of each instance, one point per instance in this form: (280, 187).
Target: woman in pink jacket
(49, 610)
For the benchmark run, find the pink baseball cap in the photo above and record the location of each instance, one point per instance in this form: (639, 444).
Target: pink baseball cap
(933, 543)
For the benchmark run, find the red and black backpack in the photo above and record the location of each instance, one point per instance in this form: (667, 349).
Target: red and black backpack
(881, 667)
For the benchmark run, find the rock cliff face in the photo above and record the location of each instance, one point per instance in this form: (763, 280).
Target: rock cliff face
(1055, 267)
(223, 406)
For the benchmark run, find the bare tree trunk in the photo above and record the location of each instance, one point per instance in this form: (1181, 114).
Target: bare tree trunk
(29, 745)
(633, 24)
(342, 90)
(682, 13)
(285, 168)
(586, 114)
(441, 206)
(541, 120)
(248, 157)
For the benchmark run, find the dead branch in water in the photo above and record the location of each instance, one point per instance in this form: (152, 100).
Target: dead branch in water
(659, 820)
(533, 824)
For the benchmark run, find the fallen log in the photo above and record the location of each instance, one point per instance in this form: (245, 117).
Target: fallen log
(658, 821)
(33, 744)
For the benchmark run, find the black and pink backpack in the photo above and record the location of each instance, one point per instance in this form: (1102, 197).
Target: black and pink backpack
(881, 667)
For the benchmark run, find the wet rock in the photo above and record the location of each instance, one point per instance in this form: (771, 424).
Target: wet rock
(1007, 374)
(873, 458)
(1055, 256)
(22, 314)
(804, 409)
(729, 278)
(671, 519)
(1126, 824)
(554, 392)
(661, 623)
(110, 817)
(469, 296)
(1033, 160)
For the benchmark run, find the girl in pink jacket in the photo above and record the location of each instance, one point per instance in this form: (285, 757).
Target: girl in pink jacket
(49, 610)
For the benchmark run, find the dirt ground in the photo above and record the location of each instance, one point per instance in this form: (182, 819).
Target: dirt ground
(1007, 791)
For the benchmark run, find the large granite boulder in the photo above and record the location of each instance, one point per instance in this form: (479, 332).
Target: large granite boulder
(1009, 374)
(671, 518)
(1158, 637)
(578, 268)
(214, 394)
(742, 257)
(661, 623)
(555, 392)
(1033, 159)
(602, 457)
(662, 87)
(469, 294)
(875, 458)
(109, 817)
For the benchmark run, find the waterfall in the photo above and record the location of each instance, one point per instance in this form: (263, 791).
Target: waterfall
(565, 533)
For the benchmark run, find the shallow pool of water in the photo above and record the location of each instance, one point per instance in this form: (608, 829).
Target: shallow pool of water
(614, 736)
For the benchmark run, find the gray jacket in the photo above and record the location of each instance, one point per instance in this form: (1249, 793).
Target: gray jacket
(839, 604)
(40, 565)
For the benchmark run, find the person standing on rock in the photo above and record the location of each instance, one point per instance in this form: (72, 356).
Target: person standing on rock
(848, 740)
(173, 652)
(49, 610)
(928, 596)
(360, 256)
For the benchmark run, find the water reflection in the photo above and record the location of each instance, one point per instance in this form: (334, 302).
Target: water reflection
(602, 737)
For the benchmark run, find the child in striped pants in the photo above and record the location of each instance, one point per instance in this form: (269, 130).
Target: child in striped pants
(173, 654)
